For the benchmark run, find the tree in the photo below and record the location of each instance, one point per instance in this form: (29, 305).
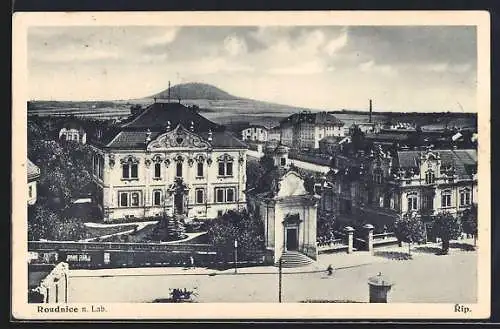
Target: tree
(309, 182)
(326, 226)
(469, 221)
(447, 227)
(241, 226)
(409, 229)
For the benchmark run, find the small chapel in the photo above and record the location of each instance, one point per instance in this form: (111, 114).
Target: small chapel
(288, 211)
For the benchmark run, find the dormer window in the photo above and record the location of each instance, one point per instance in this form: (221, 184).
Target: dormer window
(430, 177)
(377, 176)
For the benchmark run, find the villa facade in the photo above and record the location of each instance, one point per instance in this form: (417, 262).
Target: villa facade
(383, 187)
(169, 160)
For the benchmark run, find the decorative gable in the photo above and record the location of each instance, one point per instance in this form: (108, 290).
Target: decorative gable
(291, 184)
(177, 139)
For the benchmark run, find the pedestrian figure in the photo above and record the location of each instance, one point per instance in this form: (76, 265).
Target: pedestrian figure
(329, 269)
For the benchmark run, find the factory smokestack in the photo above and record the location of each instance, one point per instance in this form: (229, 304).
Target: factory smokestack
(370, 117)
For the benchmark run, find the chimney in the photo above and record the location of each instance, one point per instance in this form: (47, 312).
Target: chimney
(370, 117)
(168, 125)
(191, 126)
(210, 135)
(148, 136)
(169, 91)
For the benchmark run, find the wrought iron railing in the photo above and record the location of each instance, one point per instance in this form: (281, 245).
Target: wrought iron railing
(118, 246)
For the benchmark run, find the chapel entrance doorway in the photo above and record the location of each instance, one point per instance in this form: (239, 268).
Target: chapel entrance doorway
(292, 239)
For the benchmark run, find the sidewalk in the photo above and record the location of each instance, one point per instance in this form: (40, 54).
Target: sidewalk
(339, 262)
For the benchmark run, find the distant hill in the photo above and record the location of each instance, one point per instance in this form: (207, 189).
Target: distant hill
(193, 91)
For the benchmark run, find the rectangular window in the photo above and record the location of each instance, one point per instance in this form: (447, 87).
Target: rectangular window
(126, 171)
(429, 177)
(178, 171)
(465, 198)
(221, 169)
(134, 199)
(123, 199)
(283, 161)
(219, 195)
(412, 202)
(229, 169)
(157, 170)
(199, 169)
(100, 166)
(230, 195)
(200, 195)
(156, 198)
(133, 171)
(445, 199)
(94, 164)
(30, 191)
(428, 202)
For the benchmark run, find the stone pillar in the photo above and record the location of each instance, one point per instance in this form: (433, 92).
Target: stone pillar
(379, 286)
(369, 236)
(350, 239)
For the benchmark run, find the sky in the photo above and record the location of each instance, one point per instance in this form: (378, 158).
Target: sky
(402, 68)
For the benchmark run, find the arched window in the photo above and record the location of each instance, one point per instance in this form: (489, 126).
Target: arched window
(178, 169)
(225, 165)
(157, 170)
(199, 169)
(129, 167)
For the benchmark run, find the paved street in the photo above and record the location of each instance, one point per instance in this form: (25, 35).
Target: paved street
(425, 278)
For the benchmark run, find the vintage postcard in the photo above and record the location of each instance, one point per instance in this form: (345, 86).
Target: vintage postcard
(251, 165)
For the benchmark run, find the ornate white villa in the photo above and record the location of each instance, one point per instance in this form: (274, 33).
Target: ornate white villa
(382, 187)
(172, 160)
(72, 132)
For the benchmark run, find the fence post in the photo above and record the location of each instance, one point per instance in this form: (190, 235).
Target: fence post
(350, 239)
(369, 237)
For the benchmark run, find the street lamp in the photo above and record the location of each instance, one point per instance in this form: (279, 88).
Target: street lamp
(235, 256)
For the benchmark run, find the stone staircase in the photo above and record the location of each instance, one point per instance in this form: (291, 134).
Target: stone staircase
(294, 259)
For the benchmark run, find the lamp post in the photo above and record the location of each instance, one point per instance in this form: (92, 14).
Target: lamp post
(235, 256)
(279, 279)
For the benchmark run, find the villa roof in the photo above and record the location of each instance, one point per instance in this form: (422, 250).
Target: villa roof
(157, 115)
(464, 161)
(159, 118)
(319, 118)
(136, 139)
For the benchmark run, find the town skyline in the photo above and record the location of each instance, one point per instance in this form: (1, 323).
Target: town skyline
(402, 68)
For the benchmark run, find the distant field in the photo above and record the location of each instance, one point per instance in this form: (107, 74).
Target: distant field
(227, 112)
